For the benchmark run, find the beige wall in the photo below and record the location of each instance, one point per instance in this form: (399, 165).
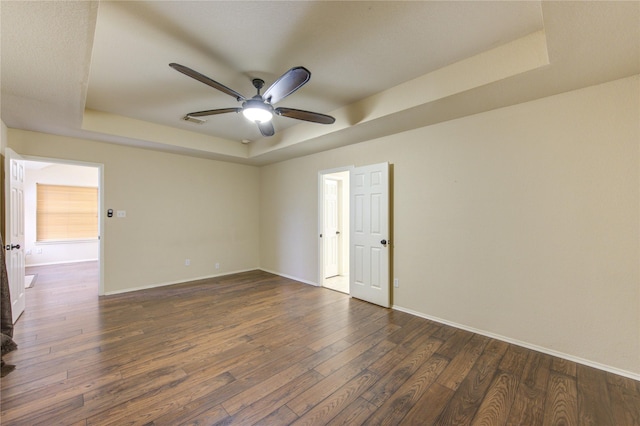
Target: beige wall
(521, 222)
(177, 207)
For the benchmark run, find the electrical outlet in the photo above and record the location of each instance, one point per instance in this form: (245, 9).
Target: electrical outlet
(217, 266)
(396, 282)
(39, 250)
(121, 213)
(28, 252)
(187, 262)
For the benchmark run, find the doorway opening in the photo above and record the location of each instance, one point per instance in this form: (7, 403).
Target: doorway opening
(333, 220)
(55, 254)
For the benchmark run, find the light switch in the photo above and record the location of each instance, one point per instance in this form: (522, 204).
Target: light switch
(122, 213)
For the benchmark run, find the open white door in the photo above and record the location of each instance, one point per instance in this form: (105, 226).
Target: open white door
(14, 225)
(369, 252)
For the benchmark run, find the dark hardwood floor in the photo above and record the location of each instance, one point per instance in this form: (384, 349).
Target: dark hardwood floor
(255, 348)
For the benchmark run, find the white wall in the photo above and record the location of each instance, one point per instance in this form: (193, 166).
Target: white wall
(177, 208)
(521, 222)
(59, 252)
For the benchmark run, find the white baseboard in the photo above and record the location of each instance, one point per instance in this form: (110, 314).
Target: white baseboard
(604, 367)
(164, 284)
(291, 277)
(61, 262)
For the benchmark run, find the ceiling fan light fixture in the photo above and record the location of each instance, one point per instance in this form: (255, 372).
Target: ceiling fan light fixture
(257, 111)
(257, 114)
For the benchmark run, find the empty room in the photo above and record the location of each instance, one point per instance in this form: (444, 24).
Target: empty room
(320, 212)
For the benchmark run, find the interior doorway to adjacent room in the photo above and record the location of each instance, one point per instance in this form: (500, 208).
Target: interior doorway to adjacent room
(67, 181)
(334, 229)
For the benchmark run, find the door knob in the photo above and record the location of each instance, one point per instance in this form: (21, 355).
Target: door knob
(383, 242)
(17, 246)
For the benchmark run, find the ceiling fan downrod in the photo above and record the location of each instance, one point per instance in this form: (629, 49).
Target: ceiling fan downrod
(258, 83)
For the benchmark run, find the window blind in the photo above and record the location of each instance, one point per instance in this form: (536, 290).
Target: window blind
(66, 212)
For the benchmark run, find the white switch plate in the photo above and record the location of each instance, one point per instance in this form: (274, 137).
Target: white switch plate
(187, 262)
(396, 282)
(122, 213)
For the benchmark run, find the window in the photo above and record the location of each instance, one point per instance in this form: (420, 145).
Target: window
(66, 213)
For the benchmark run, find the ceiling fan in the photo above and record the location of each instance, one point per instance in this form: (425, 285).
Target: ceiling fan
(259, 108)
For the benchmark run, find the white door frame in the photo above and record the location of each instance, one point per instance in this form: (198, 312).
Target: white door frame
(100, 168)
(321, 175)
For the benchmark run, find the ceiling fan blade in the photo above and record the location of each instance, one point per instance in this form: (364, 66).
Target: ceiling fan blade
(298, 114)
(288, 83)
(213, 112)
(266, 128)
(206, 80)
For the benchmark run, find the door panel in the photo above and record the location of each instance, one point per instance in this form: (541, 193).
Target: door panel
(359, 265)
(376, 265)
(14, 246)
(375, 214)
(358, 209)
(369, 260)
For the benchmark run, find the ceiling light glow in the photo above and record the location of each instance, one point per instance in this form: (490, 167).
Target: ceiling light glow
(256, 110)
(257, 114)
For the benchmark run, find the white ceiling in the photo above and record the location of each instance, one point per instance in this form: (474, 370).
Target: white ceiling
(99, 70)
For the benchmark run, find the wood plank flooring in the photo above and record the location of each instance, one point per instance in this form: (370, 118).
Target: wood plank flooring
(258, 349)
